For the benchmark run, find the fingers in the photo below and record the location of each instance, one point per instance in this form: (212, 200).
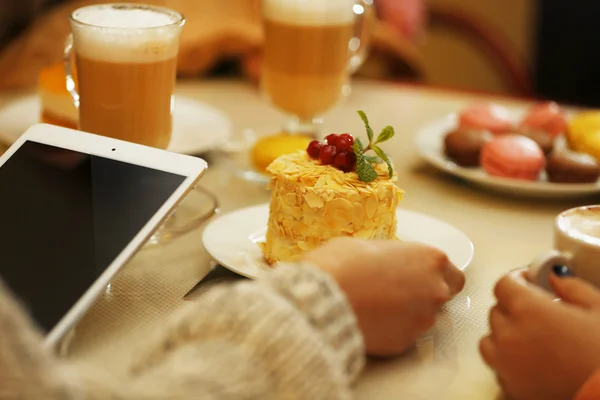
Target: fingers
(513, 290)
(576, 291)
(454, 278)
(488, 352)
(498, 320)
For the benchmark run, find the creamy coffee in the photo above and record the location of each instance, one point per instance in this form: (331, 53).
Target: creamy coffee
(126, 65)
(582, 221)
(306, 54)
(576, 245)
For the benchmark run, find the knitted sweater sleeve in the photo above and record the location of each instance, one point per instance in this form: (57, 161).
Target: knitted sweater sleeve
(289, 335)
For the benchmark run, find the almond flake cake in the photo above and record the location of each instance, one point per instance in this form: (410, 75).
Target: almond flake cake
(312, 203)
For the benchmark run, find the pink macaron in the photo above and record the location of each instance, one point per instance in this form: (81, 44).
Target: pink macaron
(513, 156)
(545, 117)
(485, 117)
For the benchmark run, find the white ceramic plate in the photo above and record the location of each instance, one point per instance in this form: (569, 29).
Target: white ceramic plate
(197, 127)
(430, 143)
(232, 238)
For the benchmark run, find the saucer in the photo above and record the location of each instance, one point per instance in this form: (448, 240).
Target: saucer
(197, 127)
(232, 239)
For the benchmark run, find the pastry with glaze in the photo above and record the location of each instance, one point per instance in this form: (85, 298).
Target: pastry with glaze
(486, 117)
(546, 118)
(583, 133)
(513, 156)
(464, 146)
(570, 167)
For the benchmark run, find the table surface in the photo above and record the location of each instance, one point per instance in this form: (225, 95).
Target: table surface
(506, 232)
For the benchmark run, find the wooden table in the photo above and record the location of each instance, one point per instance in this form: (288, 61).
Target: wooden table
(506, 232)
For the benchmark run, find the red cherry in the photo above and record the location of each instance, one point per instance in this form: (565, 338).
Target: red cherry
(345, 142)
(345, 160)
(332, 139)
(314, 149)
(327, 154)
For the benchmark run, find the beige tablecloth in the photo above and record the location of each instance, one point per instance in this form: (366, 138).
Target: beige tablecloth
(506, 232)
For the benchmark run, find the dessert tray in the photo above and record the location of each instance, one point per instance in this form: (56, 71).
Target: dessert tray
(197, 127)
(232, 239)
(429, 142)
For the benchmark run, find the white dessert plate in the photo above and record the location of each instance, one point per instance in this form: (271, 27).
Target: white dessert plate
(232, 239)
(197, 127)
(429, 142)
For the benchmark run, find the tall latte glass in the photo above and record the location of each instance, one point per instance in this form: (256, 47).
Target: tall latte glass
(311, 48)
(126, 58)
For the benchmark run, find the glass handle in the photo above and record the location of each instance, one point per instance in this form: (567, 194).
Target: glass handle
(70, 82)
(365, 17)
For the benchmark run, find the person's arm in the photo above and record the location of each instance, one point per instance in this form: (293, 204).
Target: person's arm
(540, 348)
(591, 389)
(291, 334)
(27, 371)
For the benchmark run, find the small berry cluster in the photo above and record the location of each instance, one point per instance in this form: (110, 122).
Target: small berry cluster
(337, 150)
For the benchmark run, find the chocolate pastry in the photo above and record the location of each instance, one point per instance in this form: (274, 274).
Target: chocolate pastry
(463, 146)
(544, 140)
(569, 167)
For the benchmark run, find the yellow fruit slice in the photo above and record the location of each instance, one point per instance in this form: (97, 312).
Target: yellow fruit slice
(268, 148)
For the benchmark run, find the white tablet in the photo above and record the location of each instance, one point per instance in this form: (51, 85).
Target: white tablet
(74, 208)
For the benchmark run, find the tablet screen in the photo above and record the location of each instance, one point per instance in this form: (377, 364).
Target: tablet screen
(65, 216)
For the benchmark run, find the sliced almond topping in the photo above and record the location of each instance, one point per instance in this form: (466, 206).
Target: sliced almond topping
(313, 200)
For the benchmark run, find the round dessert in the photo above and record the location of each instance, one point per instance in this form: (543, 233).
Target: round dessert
(545, 118)
(485, 117)
(570, 167)
(513, 156)
(464, 147)
(312, 203)
(583, 133)
(334, 188)
(544, 140)
(57, 107)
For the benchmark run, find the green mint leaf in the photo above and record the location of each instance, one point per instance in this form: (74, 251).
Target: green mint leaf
(365, 171)
(358, 147)
(386, 134)
(372, 159)
(385, 158)
(370, 134)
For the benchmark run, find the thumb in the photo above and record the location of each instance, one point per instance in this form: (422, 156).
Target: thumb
(576, 291)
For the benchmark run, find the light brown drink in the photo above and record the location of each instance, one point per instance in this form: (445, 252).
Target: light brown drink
(127, 101)
(305, 65)
(126, 59)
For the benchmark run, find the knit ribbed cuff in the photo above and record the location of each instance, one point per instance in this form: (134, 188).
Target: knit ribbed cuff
(319, 298)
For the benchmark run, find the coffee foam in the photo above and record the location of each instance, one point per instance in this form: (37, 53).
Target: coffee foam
(310, 12)
(585, 221)
(109, 33)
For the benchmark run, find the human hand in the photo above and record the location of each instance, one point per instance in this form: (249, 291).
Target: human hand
(541, 348)
(395, 288)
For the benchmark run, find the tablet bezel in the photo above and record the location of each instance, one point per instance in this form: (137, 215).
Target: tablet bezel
(191, 167)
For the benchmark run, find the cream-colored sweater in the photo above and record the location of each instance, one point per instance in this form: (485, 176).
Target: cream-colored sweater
(291, 335)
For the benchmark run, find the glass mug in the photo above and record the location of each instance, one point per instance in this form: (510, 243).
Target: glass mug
(311, 49)
(126, 59)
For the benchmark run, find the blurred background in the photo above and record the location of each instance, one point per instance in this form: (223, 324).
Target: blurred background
(524, 48)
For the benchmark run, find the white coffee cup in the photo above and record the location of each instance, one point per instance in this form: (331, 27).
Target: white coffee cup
(576, 246)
